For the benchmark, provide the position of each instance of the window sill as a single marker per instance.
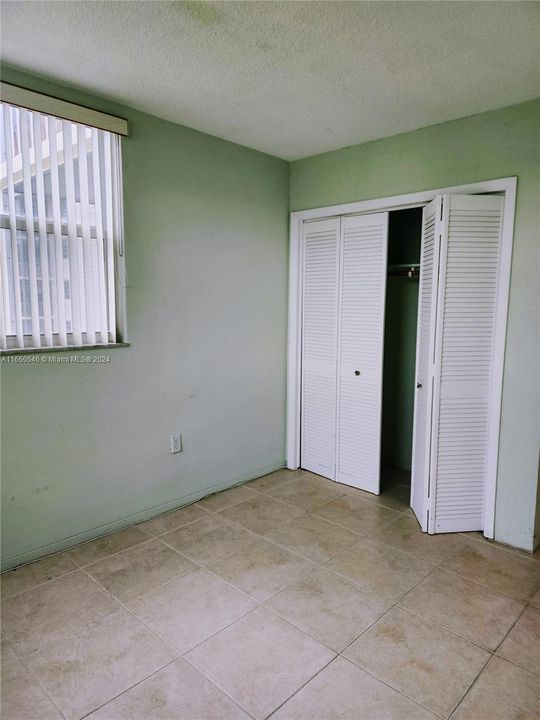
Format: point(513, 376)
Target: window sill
point(68, 348)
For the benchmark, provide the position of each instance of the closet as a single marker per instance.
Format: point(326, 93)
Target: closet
point(449, 251)
point(404, 240)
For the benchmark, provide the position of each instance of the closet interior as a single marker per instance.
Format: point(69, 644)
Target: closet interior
point(399, 358)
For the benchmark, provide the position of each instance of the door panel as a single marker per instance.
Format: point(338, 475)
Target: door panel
point(467, 303)
point(364, 241)
point(425, 347)
point(319, 345)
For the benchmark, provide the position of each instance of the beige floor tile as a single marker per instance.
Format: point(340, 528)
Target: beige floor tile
point(36, 573)
point(7, 653)
point(226, 498)
point(479, 535)
point(421, 660)
point(172, 520)
point(466, 608)
point(328, 607)
point(343, 691)
point(501, 571)
point(209, 539)
point(355, 514)
point(262, 513)
point(177, 692)
point(260, 661)
point(86, 670)
point(22, 698)
point(381, 569)
point(140, 569)
point(58, 608)
point(307, 493)
point(404, 533)
point(396, 497)
point(502, 692)
point(314, 538)
point(187, 611)
point(536, 600)
point(101, 548)
point(273, 480)
point(261, 569)
point(522, 644)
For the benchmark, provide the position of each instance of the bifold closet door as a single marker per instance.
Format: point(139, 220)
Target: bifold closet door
point(425, 349)
point(321, 243)
point(468, 232)
point(362, 294)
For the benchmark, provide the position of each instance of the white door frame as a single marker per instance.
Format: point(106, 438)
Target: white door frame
point(507, 186)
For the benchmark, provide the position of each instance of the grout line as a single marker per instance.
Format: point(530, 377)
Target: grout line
point(495, 545)
point(132, 613)
point(41, 584)
point(396, 690)
point(471, 686)
point(155, 672)
point(178, 653)
point(394, 604)
point(480, 584)
point(118, 552)
point(267, 717)
point(220, 689)
point(37, 681)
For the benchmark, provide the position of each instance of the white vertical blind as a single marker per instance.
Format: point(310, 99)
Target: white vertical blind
point(44, 255)
point(88, 267)
point(108, 155)
point(360, 349)
point(60, 231)
point(57, 231)
point(29, 227)
point(102, 285)
point(11, 279)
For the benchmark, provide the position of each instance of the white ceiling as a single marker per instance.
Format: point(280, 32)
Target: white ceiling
point(289, 78)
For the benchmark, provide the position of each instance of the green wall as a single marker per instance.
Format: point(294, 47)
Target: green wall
point(86, 447)
point(491, 145)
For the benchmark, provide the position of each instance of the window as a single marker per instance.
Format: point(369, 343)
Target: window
point(61, 242)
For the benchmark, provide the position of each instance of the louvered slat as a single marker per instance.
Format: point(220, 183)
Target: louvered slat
point(319, 346)
point(360, 347)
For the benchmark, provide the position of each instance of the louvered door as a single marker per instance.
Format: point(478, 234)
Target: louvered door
point(466, 319)
point(425, 348)
point(321, 240)
point(360, 349)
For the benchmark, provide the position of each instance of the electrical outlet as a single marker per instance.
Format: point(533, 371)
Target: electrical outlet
point(176, 444)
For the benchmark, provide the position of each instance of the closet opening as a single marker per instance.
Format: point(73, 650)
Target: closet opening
point(401, 313)
point(397, 322)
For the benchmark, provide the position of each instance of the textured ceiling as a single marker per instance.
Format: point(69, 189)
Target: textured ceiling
point(289, 78)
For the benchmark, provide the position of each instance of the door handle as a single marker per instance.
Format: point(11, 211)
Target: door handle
point(357, 372)
point(418, 386)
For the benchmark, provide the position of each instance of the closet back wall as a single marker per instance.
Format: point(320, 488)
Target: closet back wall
point(490, 145)
point(85, 448)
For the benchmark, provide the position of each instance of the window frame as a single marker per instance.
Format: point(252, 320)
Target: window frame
point(61, 110)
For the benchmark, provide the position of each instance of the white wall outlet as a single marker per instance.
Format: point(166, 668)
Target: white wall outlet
point(176, 444)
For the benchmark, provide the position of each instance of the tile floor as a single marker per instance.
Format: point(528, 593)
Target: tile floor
point(290, 597)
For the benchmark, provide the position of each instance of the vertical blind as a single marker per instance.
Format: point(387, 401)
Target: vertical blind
point(61, 231)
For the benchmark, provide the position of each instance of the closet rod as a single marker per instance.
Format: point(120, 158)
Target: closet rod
point(411, 270)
